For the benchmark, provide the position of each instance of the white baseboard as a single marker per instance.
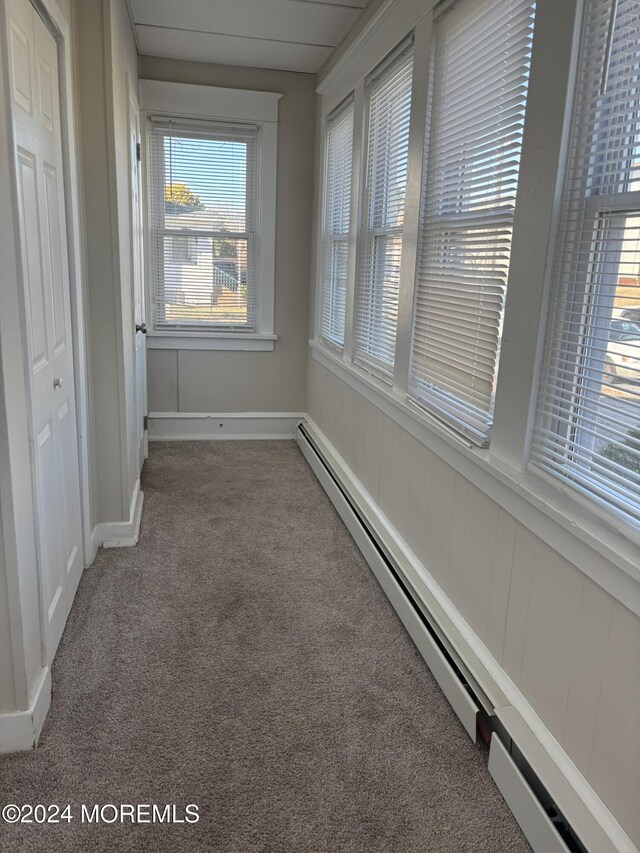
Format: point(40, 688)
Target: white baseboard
point(591, 820)
point(93, 545)
point(121, 534)
point(20, 730)
point(532, 818)
point(207, 426)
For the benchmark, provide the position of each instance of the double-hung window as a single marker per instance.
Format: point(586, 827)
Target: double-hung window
point(587, 432)
point(481, 55)
point(203, 213)
point(337, 211)
point(210, 159)
point(378, 280)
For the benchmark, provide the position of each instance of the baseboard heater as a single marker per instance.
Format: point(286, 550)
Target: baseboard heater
point(542, 823)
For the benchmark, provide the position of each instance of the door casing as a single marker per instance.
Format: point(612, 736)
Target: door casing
point(136, 221)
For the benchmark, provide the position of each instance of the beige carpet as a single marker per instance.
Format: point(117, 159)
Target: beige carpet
point(243, 658)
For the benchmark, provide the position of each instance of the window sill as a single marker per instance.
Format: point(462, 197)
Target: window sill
point(578, 533)
point(212, 341)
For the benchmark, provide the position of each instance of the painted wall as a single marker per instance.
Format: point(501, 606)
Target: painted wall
point(65, 6)
point(105, 52)
point(7, 682)
point(567, 645)
point(123, 62)
point(208, 381)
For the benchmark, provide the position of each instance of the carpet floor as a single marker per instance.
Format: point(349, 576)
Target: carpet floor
point(243, 658)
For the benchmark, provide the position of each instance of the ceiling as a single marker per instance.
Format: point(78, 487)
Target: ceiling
point(292, 35)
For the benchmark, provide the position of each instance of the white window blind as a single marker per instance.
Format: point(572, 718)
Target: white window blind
point(478, 93)
point(202, 223)
point(376, 303)
point(587, 432)
point(338, 173)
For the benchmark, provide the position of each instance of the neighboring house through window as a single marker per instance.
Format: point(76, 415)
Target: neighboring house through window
point(211, 210)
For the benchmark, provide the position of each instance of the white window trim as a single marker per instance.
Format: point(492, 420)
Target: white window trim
point(594, 540)
point(212, 103)
point(322, 271)
point(573, 527)
point(240, 341)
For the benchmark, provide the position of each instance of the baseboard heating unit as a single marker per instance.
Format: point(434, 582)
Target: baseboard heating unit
point(544, 825)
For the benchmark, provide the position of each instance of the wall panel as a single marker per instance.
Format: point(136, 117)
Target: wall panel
point(615, 760)
point(437, 519)
point(473, 592)
point(550, 635)
point(162, 384)
point(591, 647)
point(571, 650)
point(524, 553)
point(500, 581)
point(227, 381)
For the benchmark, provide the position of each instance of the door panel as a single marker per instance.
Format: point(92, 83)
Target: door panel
point(50, 552)
point(31, 260)
point(56, 269)
point(44, 91)
point(20, 46)
point(53, 427)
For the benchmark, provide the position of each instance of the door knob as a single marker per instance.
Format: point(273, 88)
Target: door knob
point(141, 327)
point(57, 382)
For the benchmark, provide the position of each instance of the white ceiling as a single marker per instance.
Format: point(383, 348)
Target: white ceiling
point(292, 35)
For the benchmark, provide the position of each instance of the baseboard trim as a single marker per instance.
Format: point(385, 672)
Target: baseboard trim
point(534, 822)
point(576, 800)
point(20, 730)
point(211, 426)
point(122, 534)
point(93, 546)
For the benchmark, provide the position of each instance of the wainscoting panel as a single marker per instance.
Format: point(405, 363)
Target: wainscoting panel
point(567, 649)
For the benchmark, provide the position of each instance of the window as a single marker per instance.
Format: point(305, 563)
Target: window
point(210, 184)
point(182, 249)
point(587, 432)
point(378, 285)
point(481, 54)
point(203, 213)
point(337, 210)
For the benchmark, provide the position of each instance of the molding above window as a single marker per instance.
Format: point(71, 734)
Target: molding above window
point(186, 99)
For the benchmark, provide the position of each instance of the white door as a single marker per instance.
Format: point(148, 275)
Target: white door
point(53, 432)
point(137, 272)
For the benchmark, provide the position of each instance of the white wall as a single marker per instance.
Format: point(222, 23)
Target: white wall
point(123, 66)
point(106, 51)
point(207, 381)
point(568, 646)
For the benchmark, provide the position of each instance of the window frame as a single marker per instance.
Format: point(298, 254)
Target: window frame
point(438, 402)
point(575, 527)
point(349, 104)
point(368, 238)
point(572, 419)
point(159, 230)
point(211, 105)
